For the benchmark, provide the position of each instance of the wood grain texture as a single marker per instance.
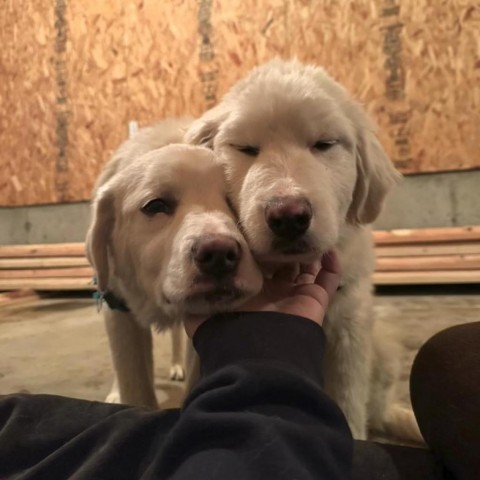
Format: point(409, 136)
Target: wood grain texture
point(73, 74)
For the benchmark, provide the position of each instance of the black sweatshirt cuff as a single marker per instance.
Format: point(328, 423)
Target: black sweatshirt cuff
point(233, 338)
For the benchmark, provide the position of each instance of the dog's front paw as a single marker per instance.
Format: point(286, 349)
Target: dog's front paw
point(177, 373)
point(113, 397)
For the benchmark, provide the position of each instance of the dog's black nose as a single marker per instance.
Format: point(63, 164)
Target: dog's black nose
point(217, 255)
point(288, 217)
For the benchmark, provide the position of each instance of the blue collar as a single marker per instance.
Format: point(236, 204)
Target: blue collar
point(114, 302)
point(110, 299)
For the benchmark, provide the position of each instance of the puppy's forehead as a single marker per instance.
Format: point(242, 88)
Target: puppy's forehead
point(178, 165)
point(292, 103)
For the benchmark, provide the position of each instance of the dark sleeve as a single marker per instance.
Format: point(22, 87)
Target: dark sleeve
point(259, 411)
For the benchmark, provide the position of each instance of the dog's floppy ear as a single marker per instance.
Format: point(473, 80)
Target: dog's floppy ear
point(203, 131)
point(376, 176)
point(99, 235)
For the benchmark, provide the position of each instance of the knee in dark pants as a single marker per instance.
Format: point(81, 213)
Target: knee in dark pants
point(445, 393)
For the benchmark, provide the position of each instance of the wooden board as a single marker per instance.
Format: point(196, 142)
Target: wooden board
point(429, 263)
point(428, 250)
point(18, 297)
point(426, 235)
point(47, 284)
point(48, 262)
point(426, 278)
point(85, 272)
point(28, 123)
point(73, 74)
point(43, 250)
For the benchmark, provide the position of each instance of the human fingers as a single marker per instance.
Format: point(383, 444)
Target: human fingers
point(311, 268)
point(329, 276)
point(326, 282)
point(308, 272)
point(313, 292)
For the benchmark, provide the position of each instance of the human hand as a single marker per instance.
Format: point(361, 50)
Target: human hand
point(308, 296)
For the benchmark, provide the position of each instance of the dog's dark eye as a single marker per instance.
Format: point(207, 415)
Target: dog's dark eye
point(247, 150)
point(324, 145)
point(159, 205)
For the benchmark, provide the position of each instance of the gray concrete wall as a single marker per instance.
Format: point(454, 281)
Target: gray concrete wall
point(433, 200)
point(44, 224)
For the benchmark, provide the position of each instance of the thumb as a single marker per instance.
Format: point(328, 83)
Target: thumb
point(329, 276)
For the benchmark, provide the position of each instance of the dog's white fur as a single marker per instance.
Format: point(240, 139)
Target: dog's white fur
point(283, 108)
point(146, 260)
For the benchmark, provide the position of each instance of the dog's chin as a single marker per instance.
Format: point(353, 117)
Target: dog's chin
point(207, 297)
point(289, 251)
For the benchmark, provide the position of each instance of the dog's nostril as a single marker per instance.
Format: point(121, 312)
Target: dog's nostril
point(303, 220)
point(276, 223)
point(231, 256)
point(288, 217)
point(205, 256)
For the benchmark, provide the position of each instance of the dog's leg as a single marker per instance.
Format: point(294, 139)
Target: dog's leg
point(147, 349)
point(348, 356)
point(385, 415)
point(176, 370)
point(131, 349)
point(385, 373)
point(114, 395)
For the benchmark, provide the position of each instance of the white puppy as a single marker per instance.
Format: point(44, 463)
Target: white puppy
point(164, 243)
point(306, 174)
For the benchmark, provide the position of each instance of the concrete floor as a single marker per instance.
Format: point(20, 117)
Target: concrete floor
point(59, 346)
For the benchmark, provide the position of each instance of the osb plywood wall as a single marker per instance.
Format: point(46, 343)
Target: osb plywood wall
point(73, 73)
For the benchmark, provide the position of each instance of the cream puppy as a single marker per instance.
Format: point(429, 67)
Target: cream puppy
point(306, 174)
point(164, 243)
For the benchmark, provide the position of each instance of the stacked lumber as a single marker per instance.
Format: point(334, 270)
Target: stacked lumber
point(62, 266)
point(404, 257)
point(18, 297)
point(428, 256)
